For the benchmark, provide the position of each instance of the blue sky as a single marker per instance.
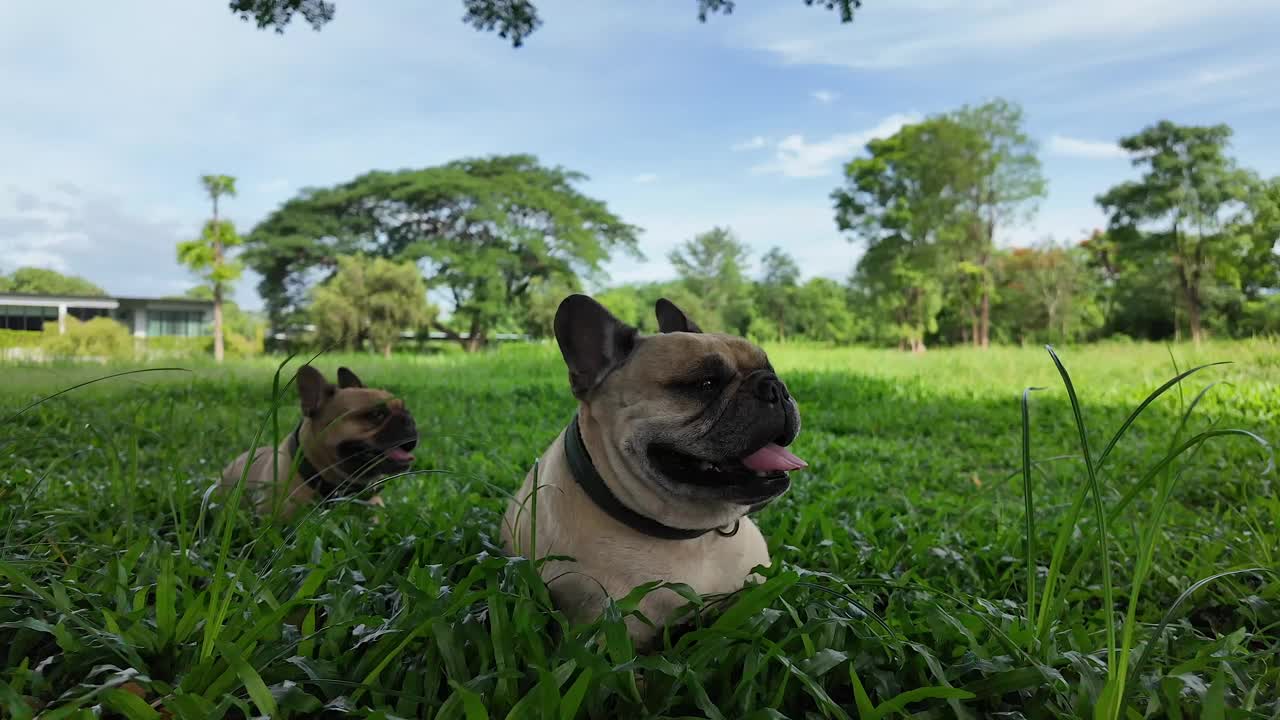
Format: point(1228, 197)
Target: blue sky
point(113, 110)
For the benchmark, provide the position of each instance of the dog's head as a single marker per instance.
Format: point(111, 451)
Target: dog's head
point(362, 433)
point(694, 426)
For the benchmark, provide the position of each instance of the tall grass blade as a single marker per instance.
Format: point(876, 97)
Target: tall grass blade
point(1028, 497)
point(1108, 594)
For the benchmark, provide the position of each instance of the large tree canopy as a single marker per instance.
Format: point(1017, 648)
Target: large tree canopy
point(39, 281)
point(904, 202)
point(927, 201)
point(1189, 207)
point(483, 230)
point(513, 20)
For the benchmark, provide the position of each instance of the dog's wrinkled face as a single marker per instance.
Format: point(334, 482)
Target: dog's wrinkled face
point(702, 417)
point(363, 432)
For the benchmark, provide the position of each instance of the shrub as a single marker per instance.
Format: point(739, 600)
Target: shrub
point(100, 338)
point(19, 339)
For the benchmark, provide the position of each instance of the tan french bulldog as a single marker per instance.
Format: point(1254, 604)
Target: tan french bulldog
point(678, 436)
point(350, 437)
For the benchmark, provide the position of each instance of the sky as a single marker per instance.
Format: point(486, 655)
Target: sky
point(113, 110)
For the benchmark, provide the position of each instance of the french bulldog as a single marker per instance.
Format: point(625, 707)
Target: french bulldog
point(678, 436)
point(350, 437)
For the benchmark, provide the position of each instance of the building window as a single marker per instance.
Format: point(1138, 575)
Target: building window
point(26, 317)
point(175, 323)
point(84, 314)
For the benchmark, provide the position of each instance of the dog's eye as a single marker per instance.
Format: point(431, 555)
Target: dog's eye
point(706, 384)
point(377, 415)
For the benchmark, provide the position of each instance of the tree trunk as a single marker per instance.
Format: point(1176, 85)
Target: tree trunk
point(1193, 319)
point(217, 286)
point(475, 337)
point(984, 323)
point(973, 333)
point(217, 318)
point(386, 350)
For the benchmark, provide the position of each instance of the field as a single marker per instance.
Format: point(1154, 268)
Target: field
point(903, 579)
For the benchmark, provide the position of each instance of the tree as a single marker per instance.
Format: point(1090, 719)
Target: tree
point(512, 19)
point(1048, 293)
point(821, 312)
point(1000, 182)
point(713, 265)
point(39, 281)
point(1185, 208)
point(484, 229)
point(902, 202)
point(1259, 226)
point(895, 287)
point(370, 299)
point(776, 290)
point(538, 314)
point(206, 255)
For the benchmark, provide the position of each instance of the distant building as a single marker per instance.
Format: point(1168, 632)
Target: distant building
point(144, 317)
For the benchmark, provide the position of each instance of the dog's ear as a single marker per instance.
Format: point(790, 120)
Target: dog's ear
point(348, 379)
point(313, 390)
point(592, 341)
point(673, 319)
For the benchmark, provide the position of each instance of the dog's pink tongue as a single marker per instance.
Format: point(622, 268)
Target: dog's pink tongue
point(771, 458)
point(399, 455)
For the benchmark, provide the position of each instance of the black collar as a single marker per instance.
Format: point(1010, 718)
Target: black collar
point(310, 475)
point(588, 478)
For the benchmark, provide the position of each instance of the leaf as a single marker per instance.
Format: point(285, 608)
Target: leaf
point(13, 704)
point(700, 697)
point(900, 702)
point(166, 603)
point(572, 699)
point(823, 661)
point(1215, 701)
point(754, 600)
point(253, 683)
point(129, 705)
point(866, 709)
point(472, 704)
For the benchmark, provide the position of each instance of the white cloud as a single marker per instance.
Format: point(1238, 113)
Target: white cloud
point(754, 143)
point(796, 157)
point(909, 33)
point(645, 178)
point(1092, 149)
point(94, 235)
point(826, 97)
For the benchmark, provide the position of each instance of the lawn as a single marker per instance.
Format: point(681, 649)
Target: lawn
point(901, 580)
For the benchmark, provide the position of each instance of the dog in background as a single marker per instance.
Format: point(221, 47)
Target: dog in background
point(350, 437)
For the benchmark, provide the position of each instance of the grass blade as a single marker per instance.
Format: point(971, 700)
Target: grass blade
point(1028, 495)
point(1108, 594)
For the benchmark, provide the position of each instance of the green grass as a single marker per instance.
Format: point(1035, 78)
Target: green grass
point(903, 579)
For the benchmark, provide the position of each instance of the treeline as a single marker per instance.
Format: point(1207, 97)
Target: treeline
point(1189, 246)
point(1189, 249)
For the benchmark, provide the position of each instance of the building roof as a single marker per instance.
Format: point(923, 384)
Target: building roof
point(105, 298)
